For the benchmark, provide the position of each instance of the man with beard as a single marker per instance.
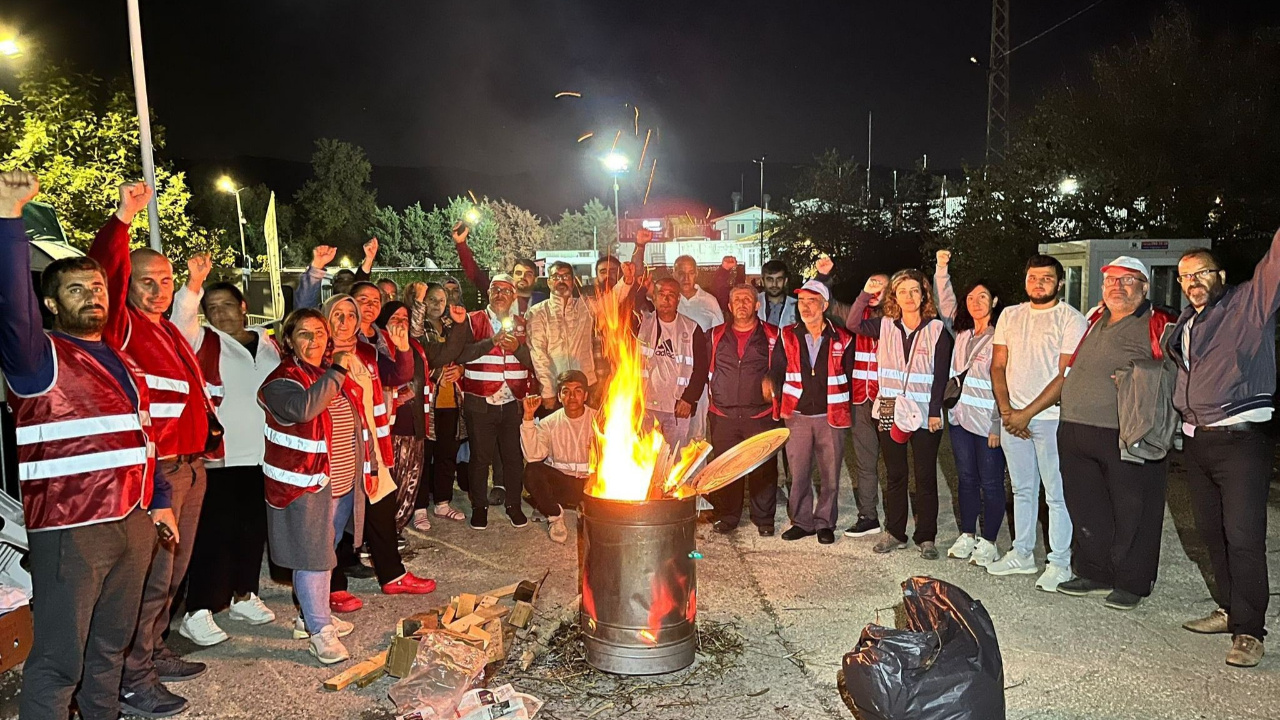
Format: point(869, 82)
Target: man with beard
point(1033, 343)
point(561, 332)
point(740, 407)
point(141, 288)
point(236, 359)
point(88, 476)
point(1223, 346)
point(524, 272)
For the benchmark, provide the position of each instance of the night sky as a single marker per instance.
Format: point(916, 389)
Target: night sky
point(467, 88)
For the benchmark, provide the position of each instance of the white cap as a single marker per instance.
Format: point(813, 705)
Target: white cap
point(1125, 262)
point(817, 288)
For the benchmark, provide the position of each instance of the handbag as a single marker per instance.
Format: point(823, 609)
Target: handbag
point(955, 386)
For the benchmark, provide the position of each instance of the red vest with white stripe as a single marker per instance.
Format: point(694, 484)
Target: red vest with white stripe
point(864, 377)
point(485, 375)
point(297, 455)
point(839, 411)
point(84, 456)
point(209, 355)
point(179, 409)
point(381, 411)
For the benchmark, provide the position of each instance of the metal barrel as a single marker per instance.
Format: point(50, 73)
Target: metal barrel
point(638, 584)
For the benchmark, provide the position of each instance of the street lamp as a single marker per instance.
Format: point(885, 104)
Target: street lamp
point(617, 164)
point(1069, 186)
point(227, 185)
point(10, 48)
point(760, 162)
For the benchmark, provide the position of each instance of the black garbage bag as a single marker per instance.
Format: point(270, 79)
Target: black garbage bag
point(944, 666)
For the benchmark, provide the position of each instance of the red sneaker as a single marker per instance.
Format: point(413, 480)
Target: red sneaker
point(344, 602)
point(409, 584)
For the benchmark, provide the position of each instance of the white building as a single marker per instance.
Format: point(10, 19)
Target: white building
point(1083, 261)
point(743, 223)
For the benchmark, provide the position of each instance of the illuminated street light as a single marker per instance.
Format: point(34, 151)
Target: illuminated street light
point(616, 163)
point(1069, 186)
point(227, 185)
point(10, 48)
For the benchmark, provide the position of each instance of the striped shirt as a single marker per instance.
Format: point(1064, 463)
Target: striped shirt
point(342, 447)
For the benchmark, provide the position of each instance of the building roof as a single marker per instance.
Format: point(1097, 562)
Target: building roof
point(751, 212)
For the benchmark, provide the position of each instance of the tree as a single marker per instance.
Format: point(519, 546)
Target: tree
point(82, 140)
point(337, 205)
point(217, 209)
point(592, 227)
point(517, 232)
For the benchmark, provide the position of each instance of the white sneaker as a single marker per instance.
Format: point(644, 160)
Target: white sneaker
point(962, 547)
point(327, 648)
point(1052, 576)
point(1013, 564)
point(343, 627)
point(199, 628)
point(252, 611)
point(985, 552)
point(555, 526)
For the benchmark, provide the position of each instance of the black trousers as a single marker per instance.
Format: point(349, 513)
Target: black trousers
point(1116, 508)
point(380, 536)
point(761, 484)
point(440, 461)
point(494, 433)
point(1229, 474)
point(227, 557)
point(897, 491)
point(550, 490)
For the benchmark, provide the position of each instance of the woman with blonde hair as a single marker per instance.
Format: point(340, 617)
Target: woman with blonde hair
point(914, 362)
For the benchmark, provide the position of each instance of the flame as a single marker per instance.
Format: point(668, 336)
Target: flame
point(627, 450)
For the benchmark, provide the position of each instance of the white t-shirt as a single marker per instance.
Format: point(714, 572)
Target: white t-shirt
point(1036, 339)
point(703, 309)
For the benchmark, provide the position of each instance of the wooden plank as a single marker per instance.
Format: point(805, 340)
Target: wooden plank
point(493, 611)
point(486, 601)
point(521, 615)
point(449, 614)
point(497, 647)
point(476, 631)
point(503, 591)
point(461, 625)
point(356, 672)
point(466, 604)
point(401, 656)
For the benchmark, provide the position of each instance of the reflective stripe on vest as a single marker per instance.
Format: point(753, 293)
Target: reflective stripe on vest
point(83, 427)
point(911, 378)
point(839, 412)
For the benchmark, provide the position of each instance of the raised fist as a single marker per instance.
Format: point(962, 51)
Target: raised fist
point(824, 265)
point(399, 336)
point(371, 249)
point(874, 285)
point(531, 405)
point(460, 232)
point(729, 263)
point(133, 198)
point(17, 187)
point(643, 237)
point(944, 257)
point(199, 265)
point(322, 255)
point(457, 313)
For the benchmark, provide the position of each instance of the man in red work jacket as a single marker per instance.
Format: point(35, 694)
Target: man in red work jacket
point(140, 290)
point(87, 470)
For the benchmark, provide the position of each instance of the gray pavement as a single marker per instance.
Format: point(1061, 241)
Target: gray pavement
point(799, 607)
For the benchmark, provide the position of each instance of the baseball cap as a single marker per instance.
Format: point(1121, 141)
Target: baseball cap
point(503, 278)
point(817, 288)
point(906, 420)
point(1128, 263)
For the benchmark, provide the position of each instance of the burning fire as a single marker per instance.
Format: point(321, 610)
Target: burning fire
point(630, 459)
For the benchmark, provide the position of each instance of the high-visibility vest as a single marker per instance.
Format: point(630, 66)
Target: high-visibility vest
point(839, 409)
point(381, 410)
point(717, 334)
point(84, 453)
point(908, 379)
point(864, 379)
point(210, 355)
point(297, 454)
point(179, 407)
point(975, 410)
point(682, 357)
point(485, 375)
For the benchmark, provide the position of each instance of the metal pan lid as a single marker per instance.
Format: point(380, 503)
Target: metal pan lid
point(739, 460)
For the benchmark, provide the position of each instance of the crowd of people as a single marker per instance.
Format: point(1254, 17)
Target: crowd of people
point(162, 437)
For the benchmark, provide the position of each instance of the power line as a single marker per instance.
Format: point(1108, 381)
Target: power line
point(1021, 45)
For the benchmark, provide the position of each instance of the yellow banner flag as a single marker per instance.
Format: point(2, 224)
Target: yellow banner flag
point(273, 259)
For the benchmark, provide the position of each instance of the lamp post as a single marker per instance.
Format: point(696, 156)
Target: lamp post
point(617, 164)
point(226, 185)
point(760, 162)
point(10, 48)
point(144, 121)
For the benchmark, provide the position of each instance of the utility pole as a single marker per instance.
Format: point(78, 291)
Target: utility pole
point(761, 163)
point(144, 121)
point(868, 158)
point(998, 84)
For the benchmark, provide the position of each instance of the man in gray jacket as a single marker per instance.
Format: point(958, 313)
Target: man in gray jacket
point(1224, 346)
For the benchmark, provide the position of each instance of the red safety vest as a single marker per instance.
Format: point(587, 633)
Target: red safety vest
point(865, 377)
point(297, 455)
point(209, 355)
point(381, 412)
point(179, 408)
point(84, 455)
point(487, 374)
point(839, 411)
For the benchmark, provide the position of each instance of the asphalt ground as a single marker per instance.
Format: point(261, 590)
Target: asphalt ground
point(798, 607)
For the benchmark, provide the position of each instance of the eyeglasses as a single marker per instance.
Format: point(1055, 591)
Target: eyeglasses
point(1204, 274)
point(1125, 280)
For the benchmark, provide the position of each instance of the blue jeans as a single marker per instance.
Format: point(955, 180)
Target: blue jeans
point(980, 471)
point(1032, 463)
point(312, 586)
